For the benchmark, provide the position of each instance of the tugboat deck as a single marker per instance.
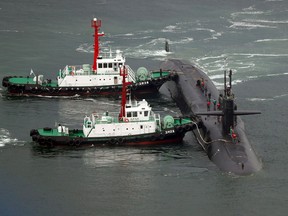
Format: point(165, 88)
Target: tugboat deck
point(53, 83)
point(29, 80)
point(79, 133)
point(55, 132)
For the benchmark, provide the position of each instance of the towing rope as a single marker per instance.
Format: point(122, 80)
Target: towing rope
point(221, 140)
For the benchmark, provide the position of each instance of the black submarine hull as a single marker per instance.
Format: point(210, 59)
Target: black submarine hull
point(238, 158)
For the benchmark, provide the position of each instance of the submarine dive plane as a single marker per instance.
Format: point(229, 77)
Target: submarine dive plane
point(222, 133)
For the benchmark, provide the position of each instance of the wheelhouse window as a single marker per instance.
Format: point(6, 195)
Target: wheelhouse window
point(134, 114)
point(129, 114)
point(100, 65)
point(146, 113)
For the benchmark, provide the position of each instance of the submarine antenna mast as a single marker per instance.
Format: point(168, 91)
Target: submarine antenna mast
point(96, 24)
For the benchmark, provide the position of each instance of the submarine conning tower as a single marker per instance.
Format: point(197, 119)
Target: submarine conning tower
point(227, 108)
point(228, 105)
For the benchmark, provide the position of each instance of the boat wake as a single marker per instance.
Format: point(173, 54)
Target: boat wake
point(5, 138)
point(57, 97)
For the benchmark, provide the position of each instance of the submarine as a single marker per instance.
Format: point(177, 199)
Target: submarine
point(220, 131)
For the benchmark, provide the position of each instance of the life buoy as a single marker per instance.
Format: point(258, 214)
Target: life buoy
point(126, 120)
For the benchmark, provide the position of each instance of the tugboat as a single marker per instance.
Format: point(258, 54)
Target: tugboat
point(136, 124)
point(222, 135)
point(102, 78)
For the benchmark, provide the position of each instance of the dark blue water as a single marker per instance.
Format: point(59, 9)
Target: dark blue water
point(250, 37)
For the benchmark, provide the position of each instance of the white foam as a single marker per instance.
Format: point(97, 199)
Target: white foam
point(280, 96)
point(247, 12)
point(8, 30)
point(124, 35)
point(219, 76)
point(223, 56)
point(182, 41)
point(156, 41)
point(86, 48)
point(267, 75)
point(145, 53)
point(250, 55)
point(267, 99)
point(205, 29)
point(5, 138)
point(129, 34)
point(266, 21)
point(69, 33)
point(271, 40)
point(170, 28)
point(247, 25)
point(259, 99)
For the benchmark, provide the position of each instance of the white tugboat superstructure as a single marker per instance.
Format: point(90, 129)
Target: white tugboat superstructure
point(107, 74)
point(102, 77)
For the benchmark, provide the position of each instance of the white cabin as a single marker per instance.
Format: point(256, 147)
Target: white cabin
point(107, 74)
point(139, 119)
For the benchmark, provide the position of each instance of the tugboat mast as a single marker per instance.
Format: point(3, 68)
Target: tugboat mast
point(96, 24)
point(124, 74)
